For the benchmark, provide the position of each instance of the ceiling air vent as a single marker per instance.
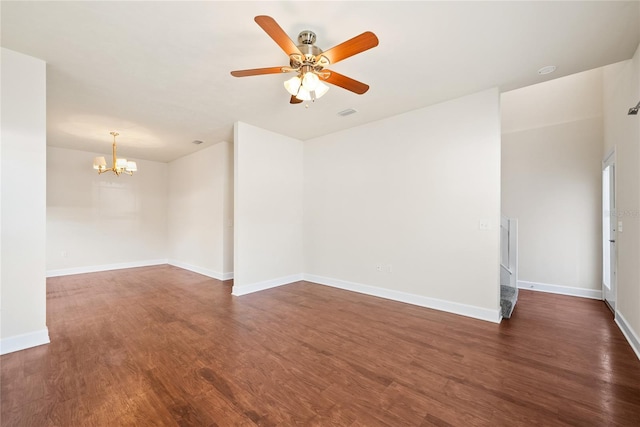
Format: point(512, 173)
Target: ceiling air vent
point(347, 112)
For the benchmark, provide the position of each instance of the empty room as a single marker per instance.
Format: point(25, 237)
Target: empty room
point(354, 213)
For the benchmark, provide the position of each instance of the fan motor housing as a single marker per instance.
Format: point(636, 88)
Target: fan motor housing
point(306, 40)
point(306, 37)
point(311, 52)
point(309, 49)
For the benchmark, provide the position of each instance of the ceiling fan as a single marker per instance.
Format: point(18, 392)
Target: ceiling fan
point(309, 62)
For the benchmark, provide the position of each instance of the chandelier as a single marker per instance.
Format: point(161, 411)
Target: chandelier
point(119, 165)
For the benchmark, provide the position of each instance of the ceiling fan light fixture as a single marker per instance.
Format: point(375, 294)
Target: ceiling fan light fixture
point(321, 89)
point(293, 85)
point(310, 81)
point(311, 95)
point(309, 62)
point(303, 95)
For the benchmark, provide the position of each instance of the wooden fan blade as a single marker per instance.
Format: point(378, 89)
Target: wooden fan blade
point(346, 82)
point(295, 100)
point(259, 71)
point(271, 27)
point(364, 41)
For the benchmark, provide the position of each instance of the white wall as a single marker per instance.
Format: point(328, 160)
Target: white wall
point(23, 210)
point(97, 222)
point(201, 213)
point(621, 92)
point(406, 195)
point(552, 141)
point(268, 186)
point(565, 100)
point(228, 201)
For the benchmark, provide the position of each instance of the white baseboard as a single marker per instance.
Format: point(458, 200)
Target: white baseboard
point(104, 267)
point(628, 333)
point(422, 301)
point(24, 341)
point(562, 290)
point(201, 270)
point(267, 284)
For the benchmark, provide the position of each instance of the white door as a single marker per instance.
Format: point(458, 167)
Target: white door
point(609, 225)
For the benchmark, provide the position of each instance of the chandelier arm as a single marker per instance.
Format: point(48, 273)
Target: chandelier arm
point(114, 153)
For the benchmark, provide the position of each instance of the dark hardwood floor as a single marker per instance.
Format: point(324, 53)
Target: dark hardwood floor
point(161, 346)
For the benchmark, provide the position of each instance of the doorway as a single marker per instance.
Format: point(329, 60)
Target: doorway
point(609, 225)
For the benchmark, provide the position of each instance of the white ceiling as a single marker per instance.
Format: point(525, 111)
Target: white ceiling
point(158, 72)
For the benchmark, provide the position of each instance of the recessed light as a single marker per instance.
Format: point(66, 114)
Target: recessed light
point(547, 70)
point(347, 112)
point(197, 142)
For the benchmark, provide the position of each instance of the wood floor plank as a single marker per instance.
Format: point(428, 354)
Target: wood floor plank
point(163, 346)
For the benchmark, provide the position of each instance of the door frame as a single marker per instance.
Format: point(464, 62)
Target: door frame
point(609, 237)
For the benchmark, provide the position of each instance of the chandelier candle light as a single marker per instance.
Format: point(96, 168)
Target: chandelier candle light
point(119, 165)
